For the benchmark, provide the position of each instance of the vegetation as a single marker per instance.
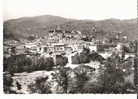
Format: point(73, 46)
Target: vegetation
point(85, 57)
point(31, 38)
point(22, 63)
point(24, 27)
point(82, 79)
point(7, 83)
point(61, 77)
point(113, 79)
point(94, 56)
point(61, 60)
point(109, 78)
point(40, 86)
point(75, 59)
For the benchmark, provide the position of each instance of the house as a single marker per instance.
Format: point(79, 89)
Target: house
point(59, 47)
point(31, 47)
point(41, 49)
point(45, 49)
point(93, 48)
point(50, 49)
point(76, 34)
point(20, 49)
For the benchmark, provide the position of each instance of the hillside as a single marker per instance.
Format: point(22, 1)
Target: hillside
point(24, 27)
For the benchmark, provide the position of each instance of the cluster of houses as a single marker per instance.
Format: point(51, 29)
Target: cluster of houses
point(63, 46)
point(57, 41)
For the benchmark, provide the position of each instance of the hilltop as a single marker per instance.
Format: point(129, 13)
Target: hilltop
point(40, 25)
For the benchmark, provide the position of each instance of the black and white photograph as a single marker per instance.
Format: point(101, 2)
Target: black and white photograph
point(70, 47)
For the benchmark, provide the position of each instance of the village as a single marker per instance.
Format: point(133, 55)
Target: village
point(61, 41)
point(68, 49)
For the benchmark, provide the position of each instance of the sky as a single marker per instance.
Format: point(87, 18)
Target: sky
point(76, 9)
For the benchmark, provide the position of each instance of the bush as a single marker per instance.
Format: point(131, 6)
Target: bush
point(92, 88)
point(40, 86)
point(112, 79)
point(62, 79)
point(78, 59)
point(7, 83)
point(61, 60)
point(96, 57)
point(45, 64)
point(5, 64)
point(83, 74)
point(84, 58)
point(75, 59)
point(84, 55)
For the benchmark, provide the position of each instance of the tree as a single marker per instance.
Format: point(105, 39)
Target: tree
point(112, 79)
point(61, 60)
point(22, 63)
point(85, 51)
point(7, 82)
point(75, 59)
point(84, 55)
point(41, 86)
point(31, 37)
point(13, 51)
point(94, 56)
point(84, 58)
point(83, 74)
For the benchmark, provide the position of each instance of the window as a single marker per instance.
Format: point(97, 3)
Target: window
point(40, 48)
point(45, 49)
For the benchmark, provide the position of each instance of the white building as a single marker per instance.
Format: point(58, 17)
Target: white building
point(93, 48)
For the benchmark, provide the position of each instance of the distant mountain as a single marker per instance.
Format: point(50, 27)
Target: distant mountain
point(23, 27)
